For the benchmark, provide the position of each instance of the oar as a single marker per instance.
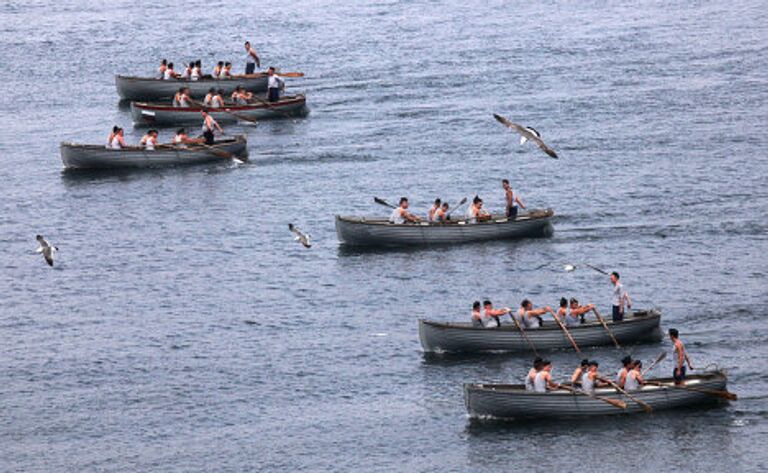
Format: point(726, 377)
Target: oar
point(722, 394)
point(383, 202)
point(658, 360)
point(281, 74)
point(463, 201)
point(272, 106)
point(605, 326)
point(614, 402)
point(567, 333)
point(618, 388)
point(210, 109)
point(601, 271)
point(525, 336)
point(218, 152)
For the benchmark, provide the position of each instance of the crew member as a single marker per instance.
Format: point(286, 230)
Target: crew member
point(530, 317)
point(433, 209)
point(620, 296)
point(543, 380)
point(681, 357)
point(512, 199)
point(579, 372)
point(401, 214)
point(169, 73)
point(475, 212)
point(621, 376)
point(492, 315)
point(149, 141)
point(209, 128)
point(635, 377)
point(116, 140)
point(252, 60)
point(531, 376)
point(576, 313)
point(275, 84)
point(441, 214)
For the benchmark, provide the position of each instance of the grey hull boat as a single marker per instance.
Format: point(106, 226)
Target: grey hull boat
point(512, 401)
point(463, 337)
point(77, 156)
point(362, 231)
point(150, 88)
point(158, 114)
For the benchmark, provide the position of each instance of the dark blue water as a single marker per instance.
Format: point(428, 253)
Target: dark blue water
point(184, 330)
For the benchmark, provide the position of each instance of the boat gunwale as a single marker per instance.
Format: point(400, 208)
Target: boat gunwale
point(162, 146)
point(498, 219)
point(635, 319)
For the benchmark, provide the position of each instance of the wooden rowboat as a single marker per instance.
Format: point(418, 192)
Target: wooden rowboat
point(362, 231)
point(157, 114)
point(638, 326)
point(512, 401)
point(77, 156)
point(152, 88)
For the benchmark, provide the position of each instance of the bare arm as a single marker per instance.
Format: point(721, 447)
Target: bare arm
point(519, 202)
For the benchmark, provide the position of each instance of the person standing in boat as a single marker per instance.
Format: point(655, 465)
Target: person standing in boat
point(576, 313)
point(620, 296)
point(169, 73)
point(579, 372)
point(432, 210)
point(530, 317)
point(209, 128)
point(441, 214)
point(626, 365)
point(401, 215)
point(149, 141)
point(543, 380)
point(475, 212)
point(512, 200)
point(681, 357)
point(492, 315)
point(634, 377)
point(116, 139)
point(163, 67)
point(252, 60)
point(275, 84)
point(531, 376)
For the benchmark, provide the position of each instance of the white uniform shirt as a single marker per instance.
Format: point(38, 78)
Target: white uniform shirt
point(397, 216)
point(167, 75)
point(529, 379)
point(631, 384)
point(115, 143)
point(195, 74)
point(618, 294)
point(587, 385)
point(274, 81)
point(539, 383)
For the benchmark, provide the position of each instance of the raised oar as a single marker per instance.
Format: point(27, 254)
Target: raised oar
point(618, 388)
point(210, 109)
point(722, 394)
point(614, 402)
point(605, 326)
point(460, 204)
point(658, 360)
point(383, 202)
point(525, 336)
point(601, 271)
point(567, 333)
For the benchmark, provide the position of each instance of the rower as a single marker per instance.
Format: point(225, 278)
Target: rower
point(163, 67)
point(562, 311)
point(209, 127)
point(635, 377)
point(241, 96)
point(543, 380)
point(181, 98)
point(169, 73)
point(531, 317)
point(619, 297)
point(226, 72)
point(149, 141)
point(576, 313)
point(492, 315)
point(433, 209)
point(209, 97)
point(589, 380)
point(681, 357)
point(275, 84)
point(475, 212)
point(217, 69)
point(197, 70)
point(441, 214)
point(513, 200)
point(477, 316)
point(218, 100)
point(401, 215)
point(252, 60)
point(116, 140)
point(531, 376)
point(187, 74)
point(621, 376)
point(181, 140)
point(579, 372)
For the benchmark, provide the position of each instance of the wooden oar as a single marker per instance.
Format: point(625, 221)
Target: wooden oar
point(383, 202)
point(263, 74)
point(618, 388)
point(271, 106)
point(605, 326)
point(722, 394)
point(658, 360)
point(212, 109)
point(525, 336)
point(614, 402)
point(601, 271)
point(218, 152)
point(567, 333)
point(463, 201)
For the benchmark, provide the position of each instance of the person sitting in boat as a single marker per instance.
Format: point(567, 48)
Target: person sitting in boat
point(181, 140)
point(576, 313)
point(579, 372)
point(543, 380)
point(530, 317)
point(512, 199)
point(241, 96)
point(226, 71)
point(197, 70)
point(477, 316)
point(531, 376)
point(187, 72)
point(252, 60)
point(275, 84)
point(401, 215)
point(492, 315)
point(181, 98)
point(216, 72)
point(163, 67)
point(635, 377)
point(626, 365)
point(149, 141)
point(591, 379)
point(209, 97)
point(681, 357)
point(475, 212)
point(562, 311)
point(434, 208)
point(209, 127)
point(218, 99)
point(116, 139)
point(170, 73)
point(441, 214)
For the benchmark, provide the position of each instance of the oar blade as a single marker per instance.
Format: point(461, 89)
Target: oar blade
point(615, 402)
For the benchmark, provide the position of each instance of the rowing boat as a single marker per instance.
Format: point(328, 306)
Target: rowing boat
point(78, 156)
point(152, 88)
point(512, 401)
point(156, 114)
point(638, 326)
point(362, 231)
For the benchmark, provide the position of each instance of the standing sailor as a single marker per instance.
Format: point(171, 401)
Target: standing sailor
point(681, 357)
point(275, 84)
point(620, 295)
point(209, 127)
point(401, 215)
point(512, 200)
point(252, 60)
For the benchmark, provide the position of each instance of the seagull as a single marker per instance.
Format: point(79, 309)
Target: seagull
point(301, 237)
point(46, 249)
point(526, 134)
point(569, 267)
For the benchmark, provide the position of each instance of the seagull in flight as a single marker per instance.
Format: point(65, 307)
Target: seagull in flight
point(46, 249)
point(527, 134)
point(301, 237)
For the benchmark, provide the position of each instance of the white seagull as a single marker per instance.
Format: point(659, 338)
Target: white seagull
point(569, 267)
point(46, 249)
point(301, 237)
point(526, 134)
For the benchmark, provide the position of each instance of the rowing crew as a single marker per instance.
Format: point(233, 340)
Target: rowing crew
point(193, 71)
point(148, 142)
point(213, 99)
point(528, 317)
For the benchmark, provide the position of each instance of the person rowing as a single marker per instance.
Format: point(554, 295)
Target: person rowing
point(252, 60)
point(163, 67)
point(441, 214)
point(197, 70)
point(275, 84)
point(149, 141)
point(181, 140)
point(209, 127)
point(512, 200)
point(590, 379)
point(116, 139)
point(169, 73)
point(576, 313)
point(477, 316)
point(492, 315)
point(181, 98)
point(218, 99)
point(216, 72)
point(543, 380)
point(634, 379)
point(620, 296)
point(401, 215)
point(209, 97)
point(187, 73)
point(241, 96)
point(226, 71)
point(432, 210)
point(579, 372)
point(562, 311)
point(621, 376)
point(531, 375)
point(681, 357)
point(475, 212)
point(530, 317)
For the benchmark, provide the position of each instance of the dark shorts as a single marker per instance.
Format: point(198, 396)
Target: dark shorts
point(618, 315)
point(274, 95)
point(250, 67)
point(512, 212)
point(208, 135)
point(682, 374)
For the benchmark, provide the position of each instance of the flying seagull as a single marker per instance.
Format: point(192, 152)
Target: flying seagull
point(526, 134)
point(301, 237)
point(46, 249)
